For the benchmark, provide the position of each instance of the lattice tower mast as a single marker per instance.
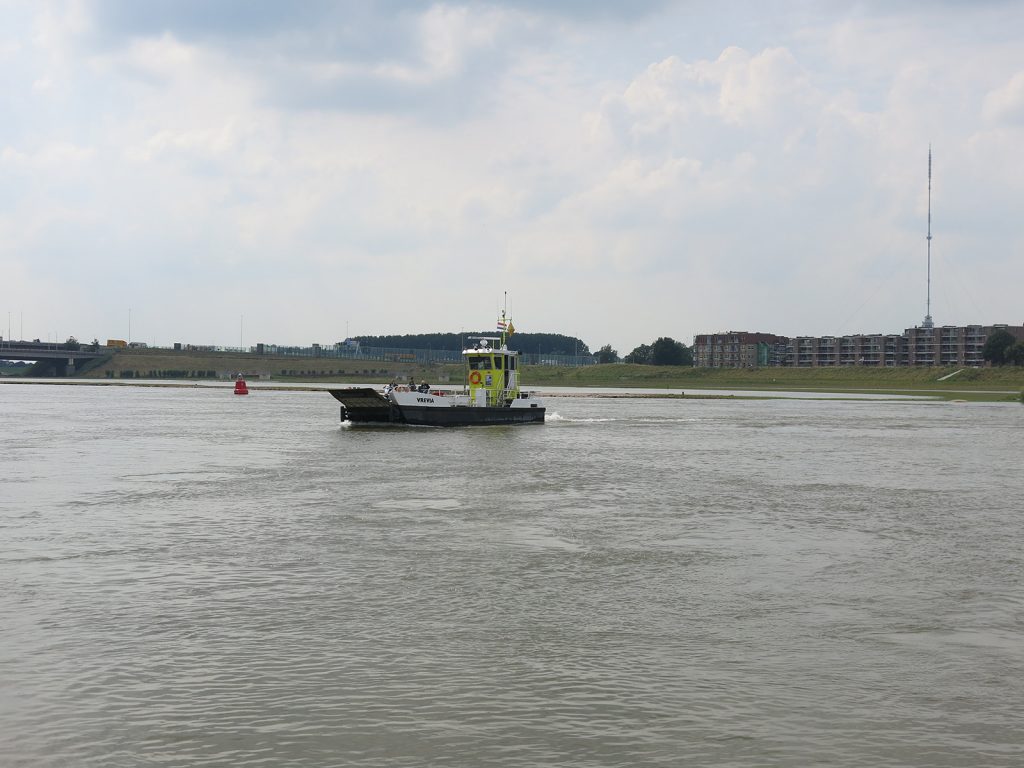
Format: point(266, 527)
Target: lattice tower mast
point(928, 323)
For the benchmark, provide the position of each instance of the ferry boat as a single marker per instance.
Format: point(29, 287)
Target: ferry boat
point(491, 396)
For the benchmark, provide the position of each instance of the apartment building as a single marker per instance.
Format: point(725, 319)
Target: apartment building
point(946, 345)
point(738, 349)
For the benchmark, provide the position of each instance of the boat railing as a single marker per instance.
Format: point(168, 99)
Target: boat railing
point(512, 393)
point(493, 398)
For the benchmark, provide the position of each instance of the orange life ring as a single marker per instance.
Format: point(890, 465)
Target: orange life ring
point(474, 377)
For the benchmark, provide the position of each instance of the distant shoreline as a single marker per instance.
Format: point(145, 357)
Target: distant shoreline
point(149, 367)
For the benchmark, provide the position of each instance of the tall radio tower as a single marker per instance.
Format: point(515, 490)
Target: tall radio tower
point(928, 323)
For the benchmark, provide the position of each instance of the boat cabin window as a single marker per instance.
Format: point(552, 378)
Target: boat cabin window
point(511, 363)
point(480, 363)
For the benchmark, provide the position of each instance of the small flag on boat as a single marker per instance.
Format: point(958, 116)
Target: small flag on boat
point(511, 328)
point(501, 325)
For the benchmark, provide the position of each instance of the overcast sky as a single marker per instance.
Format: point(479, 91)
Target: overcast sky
point(623, 170)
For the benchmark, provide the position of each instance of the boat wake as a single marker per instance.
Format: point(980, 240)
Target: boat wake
point(558, 417)
point(555, 417)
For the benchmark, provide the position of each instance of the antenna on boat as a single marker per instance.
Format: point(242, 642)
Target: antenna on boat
point(928, 323)
point(503, 323)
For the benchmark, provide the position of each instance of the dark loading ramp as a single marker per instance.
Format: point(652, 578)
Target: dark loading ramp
point(365, 404)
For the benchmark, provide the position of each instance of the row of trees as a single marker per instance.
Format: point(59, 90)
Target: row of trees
point(527, 343)
point(73, 344)
point(664, 351)
point(1003, 348)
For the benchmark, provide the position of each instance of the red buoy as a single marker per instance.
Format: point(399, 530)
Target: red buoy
point(240, 388)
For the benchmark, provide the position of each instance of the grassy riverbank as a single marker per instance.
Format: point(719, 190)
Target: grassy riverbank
point(994, 384)
point(845, 378)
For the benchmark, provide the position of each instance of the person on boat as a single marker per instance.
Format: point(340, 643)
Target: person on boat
point(424, 387)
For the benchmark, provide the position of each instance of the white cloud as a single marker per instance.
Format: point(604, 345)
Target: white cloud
point(51, 157)
point(1006, 103)
point(447, 35)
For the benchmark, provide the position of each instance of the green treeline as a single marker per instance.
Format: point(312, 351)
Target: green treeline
point(527, 343)
point(1003, 348)
point(162, 374)
point(664, 351)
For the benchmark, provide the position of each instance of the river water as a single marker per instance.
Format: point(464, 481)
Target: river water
point(189, 578)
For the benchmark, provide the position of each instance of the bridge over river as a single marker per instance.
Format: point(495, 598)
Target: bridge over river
point(64, 360)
